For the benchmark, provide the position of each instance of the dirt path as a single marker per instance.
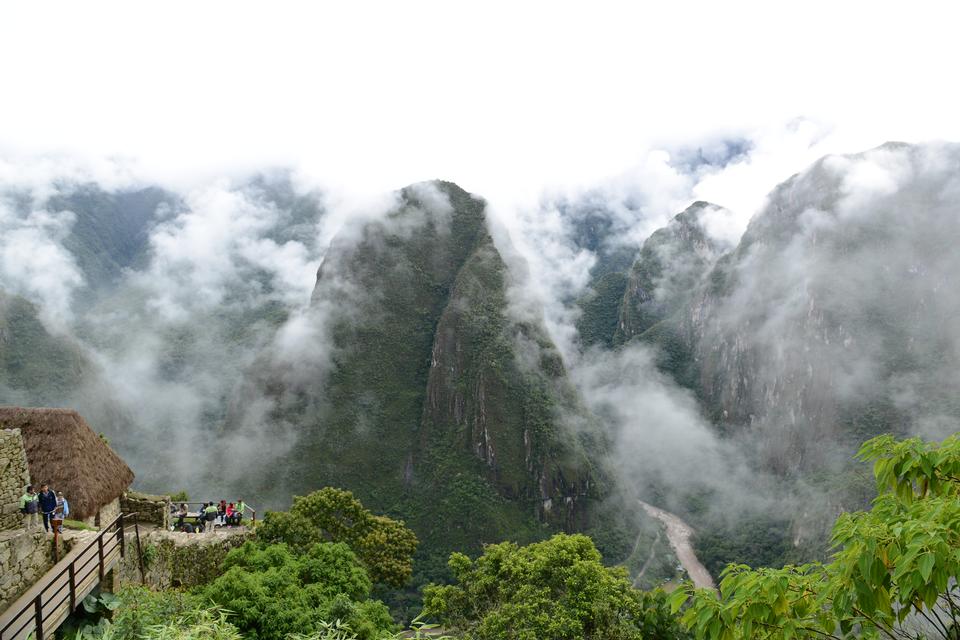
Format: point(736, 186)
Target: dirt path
point(678, 533)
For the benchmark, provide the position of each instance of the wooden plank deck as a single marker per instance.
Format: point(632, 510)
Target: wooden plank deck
point(53, 591)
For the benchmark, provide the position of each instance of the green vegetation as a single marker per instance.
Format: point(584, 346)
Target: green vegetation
point(139, 613)
point(893, 572)
point(274, 592)
point(384, 546)
point(600, 310)
point(308, 576)
point(555, 589)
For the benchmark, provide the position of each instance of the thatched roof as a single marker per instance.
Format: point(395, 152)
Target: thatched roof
point(64, 451)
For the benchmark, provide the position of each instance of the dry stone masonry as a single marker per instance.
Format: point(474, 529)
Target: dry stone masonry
point(150, 509)
point(13, 478)
point(24, 557)
point(175, 560)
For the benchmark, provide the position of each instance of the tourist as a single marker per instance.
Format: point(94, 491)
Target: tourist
point(231, 514)
point(222, 512)
point(30, 508)
point(241, 507)
point(63, 510)
point(210, 515)
point(182, 514)
point(48, 505)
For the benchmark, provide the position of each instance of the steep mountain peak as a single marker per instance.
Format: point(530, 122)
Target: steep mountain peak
point(672, 262)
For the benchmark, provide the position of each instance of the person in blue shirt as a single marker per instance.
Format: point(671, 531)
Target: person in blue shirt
point(48, 505)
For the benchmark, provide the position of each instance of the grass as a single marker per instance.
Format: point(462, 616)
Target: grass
point(77, 525)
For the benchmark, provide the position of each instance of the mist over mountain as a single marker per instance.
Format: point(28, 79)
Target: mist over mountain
point(488, 376)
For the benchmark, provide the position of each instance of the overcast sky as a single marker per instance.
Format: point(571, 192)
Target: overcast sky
point(507, 99)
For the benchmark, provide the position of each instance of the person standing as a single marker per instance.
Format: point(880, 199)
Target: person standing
point(48, 505)
point(210, 515)
point(63, 510)
point(30, 508)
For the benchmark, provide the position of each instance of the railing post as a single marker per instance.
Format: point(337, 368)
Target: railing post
point(143, 572)
point(73, 587)
point(122, 541)
point(100, 555)
point(38, 608)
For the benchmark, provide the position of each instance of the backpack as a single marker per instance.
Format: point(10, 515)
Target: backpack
point(32, 507)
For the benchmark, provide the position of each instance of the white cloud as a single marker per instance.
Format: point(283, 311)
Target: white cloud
point(34, 263)
point(505, 99)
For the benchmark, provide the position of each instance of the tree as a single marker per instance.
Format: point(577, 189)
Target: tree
point(274, 592)
point(548, 590)
point(385, 546)
point(893, 573)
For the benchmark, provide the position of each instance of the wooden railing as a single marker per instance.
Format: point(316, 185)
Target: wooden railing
point(45, 606)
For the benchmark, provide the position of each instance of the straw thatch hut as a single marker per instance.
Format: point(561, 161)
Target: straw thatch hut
point(64, 451)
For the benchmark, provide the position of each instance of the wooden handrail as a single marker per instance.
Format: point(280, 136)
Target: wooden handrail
point(49, 598)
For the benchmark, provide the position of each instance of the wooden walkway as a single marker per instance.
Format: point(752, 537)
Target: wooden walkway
point(47, 604)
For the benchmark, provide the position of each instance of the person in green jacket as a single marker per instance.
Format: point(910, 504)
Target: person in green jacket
point(238, 511)
point(209, 516)
point(30, 508)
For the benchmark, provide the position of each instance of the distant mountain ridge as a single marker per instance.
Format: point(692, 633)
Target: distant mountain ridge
point(829, 322)
point(411, 380)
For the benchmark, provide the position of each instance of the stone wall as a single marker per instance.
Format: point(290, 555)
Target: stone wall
point(153, 510)
point(174, 559)
point(24, 557)
point(107, 514)
point(13, 478)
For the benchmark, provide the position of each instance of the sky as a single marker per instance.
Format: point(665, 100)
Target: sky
point(510, 100)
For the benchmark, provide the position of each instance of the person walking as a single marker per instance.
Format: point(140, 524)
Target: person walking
point(48, 505)
point(210, 515)
point(30, 508)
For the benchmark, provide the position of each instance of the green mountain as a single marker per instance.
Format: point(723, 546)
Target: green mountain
point(112, 228)
point(826, 324)
point(36, 366)
point(829, 323)
point(437, 404)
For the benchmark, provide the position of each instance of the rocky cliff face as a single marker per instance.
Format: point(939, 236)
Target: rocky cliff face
point(833, 319)
point(433, 402)
point(671, 266)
